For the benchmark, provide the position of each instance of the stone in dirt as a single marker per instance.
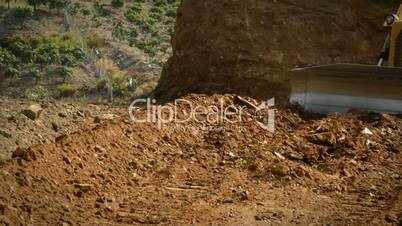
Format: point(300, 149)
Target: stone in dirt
point(326, 139)
point(104, 117)
point(32, 112)
point(27, 155)
point(5, 133)
point(84, 187)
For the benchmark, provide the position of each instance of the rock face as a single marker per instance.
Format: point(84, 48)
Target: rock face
point(241, 46)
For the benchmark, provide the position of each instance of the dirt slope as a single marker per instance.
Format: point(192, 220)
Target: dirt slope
point(328, 171)
point(236, 46)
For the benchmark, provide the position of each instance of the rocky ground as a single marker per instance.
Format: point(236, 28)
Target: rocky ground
point(22, 127)
point(336, 170)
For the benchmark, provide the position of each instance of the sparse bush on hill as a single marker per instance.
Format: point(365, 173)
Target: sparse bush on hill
point(23, 12)
point(96, 41)
point(35, 73)
point(66, 90)
point(38, 52)
point(118, 31)
point(64, 72)
point(7, 58)
point(59, 4)
point(160, 19)
point(36, 3)
point(118, 3)
point(38, 93)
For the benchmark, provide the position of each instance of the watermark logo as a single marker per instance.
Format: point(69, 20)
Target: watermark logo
point(182, 111)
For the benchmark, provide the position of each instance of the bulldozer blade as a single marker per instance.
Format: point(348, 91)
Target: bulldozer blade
point(345, 87)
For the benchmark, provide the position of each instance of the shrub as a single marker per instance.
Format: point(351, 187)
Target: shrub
point(12, 73)
point(64, 72)
point(99, 9)
point(22, 50)
point(96, 41)
point(60, 4)
point(118, 31)
point(66, 90)
point(23, 12)
point(7, 58)
point(73, 9)
point(101, 84)
point(171, 12)
point(38, 93)
point(35, 73)
point(118, 3)
point(119, 83)
point(160, 2)
point(145, 89)
point(85, 11)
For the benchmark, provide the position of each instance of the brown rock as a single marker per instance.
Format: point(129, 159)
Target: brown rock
point(325, 139)
point(27, 155)
point(84, 187)
point(32, 112)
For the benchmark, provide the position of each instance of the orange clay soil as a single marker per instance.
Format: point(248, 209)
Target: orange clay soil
point(337, 170)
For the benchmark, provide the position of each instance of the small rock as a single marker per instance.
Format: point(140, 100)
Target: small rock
point(279, 155)
point(104, 117)
point(97, 119)
point(55, 127)
point(80, 114)
point(297, 157)
point(62, 115)
point(84, 187)
point(227, 200)
point(32, 112)
point(5, 133)
point(325, 138)
point(27, 155)
point(367, 131)
point(67, 160)
point(99, 148)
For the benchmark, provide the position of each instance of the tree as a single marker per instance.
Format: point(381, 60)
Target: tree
point(65, 72)
point(35, 73)
point(8, 4)
point(7, 58)
point(59, 4)
point(118, 3)
point(108, 69)
point(12, 73)
point(36, 3)
point(118, 31)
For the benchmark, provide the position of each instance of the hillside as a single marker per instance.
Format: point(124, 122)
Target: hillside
point(134, 37)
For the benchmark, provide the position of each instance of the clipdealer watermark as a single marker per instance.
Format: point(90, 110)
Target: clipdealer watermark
point(212, 114)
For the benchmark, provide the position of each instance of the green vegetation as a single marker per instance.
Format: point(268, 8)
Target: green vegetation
point(32, 56)
point(95, 41)
point(159, 19)
point(64, 72)
point(38, 93)
point(118, 3)
point(23, 12)
point(146, 25)
point(66, 90)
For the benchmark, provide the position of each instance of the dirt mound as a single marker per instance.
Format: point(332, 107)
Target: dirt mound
point(242, 46)
point(56, 119)
point(338, 170)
